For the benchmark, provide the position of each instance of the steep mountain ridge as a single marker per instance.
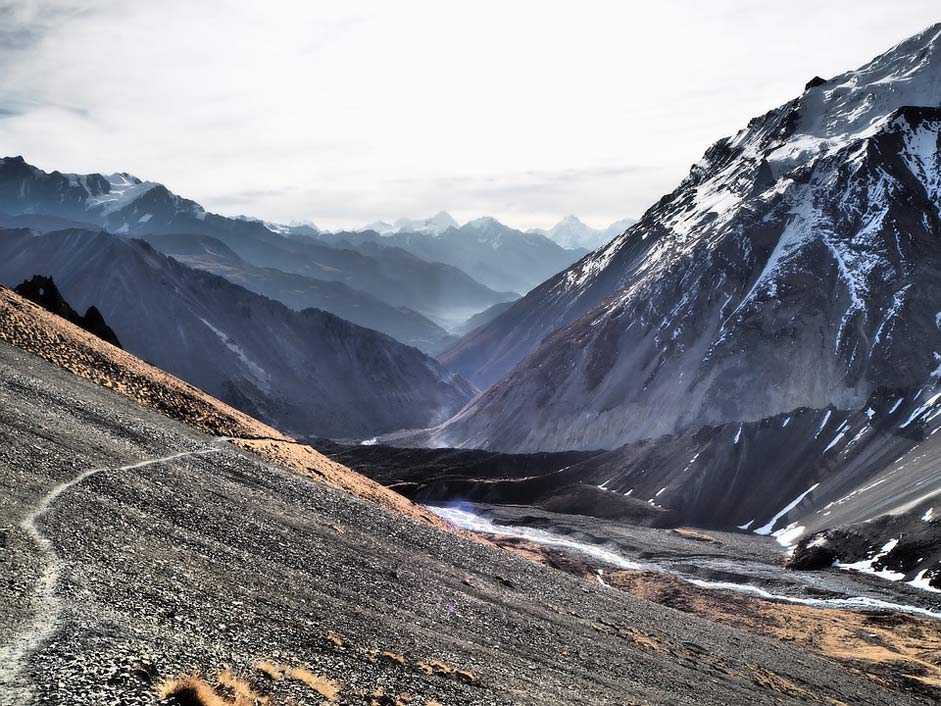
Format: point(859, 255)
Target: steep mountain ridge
point(324, 373)
point(793, 267)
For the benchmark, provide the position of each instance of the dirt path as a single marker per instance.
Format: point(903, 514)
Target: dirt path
point(35, 632)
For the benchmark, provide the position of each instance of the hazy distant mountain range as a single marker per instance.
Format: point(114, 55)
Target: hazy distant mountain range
point(500, 257)
point(298, 370)
point(493, 253)
point(302, 292)
point(435, 225)
point(571, 233)
point(125, 205)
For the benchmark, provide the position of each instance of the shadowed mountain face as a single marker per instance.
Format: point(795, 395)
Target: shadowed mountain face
point(304, 372)
point(796, 266)
point(501, 257)
point(300, 292)
point(121, 203)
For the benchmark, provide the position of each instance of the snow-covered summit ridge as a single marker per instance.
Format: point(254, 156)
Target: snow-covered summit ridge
point(123, 190)
point(856, 103)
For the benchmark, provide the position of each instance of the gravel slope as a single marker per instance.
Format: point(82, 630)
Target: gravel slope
point(216, 559)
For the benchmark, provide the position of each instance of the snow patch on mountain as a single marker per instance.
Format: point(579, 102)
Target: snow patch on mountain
point(125, 189)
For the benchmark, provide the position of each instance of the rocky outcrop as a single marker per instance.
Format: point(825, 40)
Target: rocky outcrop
point(43, 291)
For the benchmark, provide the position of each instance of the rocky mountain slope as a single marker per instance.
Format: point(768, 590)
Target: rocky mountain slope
point(301, 292)
point(37, 331)
point(794, 267)
point(122, 203)
point(306, 372)
point(141, 556)
point(572, 233)
point(501, 257)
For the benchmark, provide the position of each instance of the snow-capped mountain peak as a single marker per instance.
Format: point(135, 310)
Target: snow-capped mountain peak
point(572, 232)
point(484, 222)
point(123, 190)
point(791, 268)
point(435, 225)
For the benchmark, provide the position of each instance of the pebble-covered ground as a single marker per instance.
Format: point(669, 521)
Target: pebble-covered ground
point(266, 583)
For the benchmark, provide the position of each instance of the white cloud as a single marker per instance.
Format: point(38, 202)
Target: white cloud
point(349, 112)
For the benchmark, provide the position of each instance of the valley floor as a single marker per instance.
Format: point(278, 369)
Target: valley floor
point(890, 632)
point(134, 549)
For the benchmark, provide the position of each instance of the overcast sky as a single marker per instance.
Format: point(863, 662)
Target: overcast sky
point(347, 112)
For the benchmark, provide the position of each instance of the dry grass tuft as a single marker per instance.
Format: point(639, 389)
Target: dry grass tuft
point(274, 672)
point(466, 676)
point(242, 692)
point(393, 657)
point(328, 688)
point(189, 690)
point(335, 639)
point(695, 535)
point(441, 669)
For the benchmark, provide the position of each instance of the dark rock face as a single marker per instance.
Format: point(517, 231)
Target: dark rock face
point(814, 82)
point(808, 556)
point(904, 546)
point(43, 291)
point(305, 372)
point(792, 268)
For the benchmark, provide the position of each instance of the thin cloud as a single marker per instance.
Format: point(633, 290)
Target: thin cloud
point(344, 114)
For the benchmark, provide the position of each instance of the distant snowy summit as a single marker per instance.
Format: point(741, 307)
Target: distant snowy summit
point(572, 233)
point(435, 225)
point(308, 228)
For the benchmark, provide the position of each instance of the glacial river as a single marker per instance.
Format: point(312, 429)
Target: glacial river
point(610, 556)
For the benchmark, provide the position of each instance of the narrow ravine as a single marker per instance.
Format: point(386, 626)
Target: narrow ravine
point(47, 604)
point(476, 523)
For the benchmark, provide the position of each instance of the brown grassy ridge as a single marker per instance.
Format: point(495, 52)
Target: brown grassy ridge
point(892, 649)
point(31, 328)
point(899, 651)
